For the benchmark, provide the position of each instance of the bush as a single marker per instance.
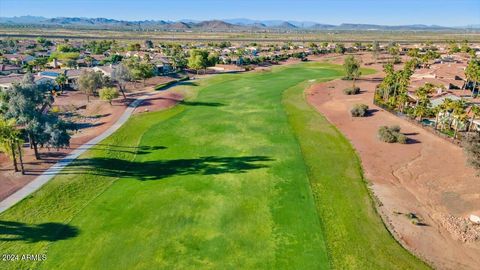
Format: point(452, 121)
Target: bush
point(351, 91)
point(359, 110)
point(108, 94)
point(391, 135)
point(395, 128)
point(401, 138)
point(385, 134)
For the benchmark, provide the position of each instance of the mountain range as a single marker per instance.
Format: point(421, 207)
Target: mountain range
point(210, 25)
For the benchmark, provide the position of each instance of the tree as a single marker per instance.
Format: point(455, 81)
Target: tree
point(198, 60)
point(179, 61)
point(108, 94)
point(10, 142)
point(393, 90)
point(464, 47)
point(61, 80)
point(472, 73)
point(89, 82)
point(177, 56)
point(375, 50)
point(393, 50)
point(413, 52)
point(71, 63)
point(453, 47)
point(212, 59)
point(66, 48)
point(352, 68)
point(442, 109)
point(340, 48)
point(88, 60)
point(40, 62)
point(140, 70)
point(121, 75)
point(423, 105)
point(133, 47)
point(29, 103)
point(99, 47)
point(148, 44)
point(475, 111)
point(144, 71)
point(459, 115)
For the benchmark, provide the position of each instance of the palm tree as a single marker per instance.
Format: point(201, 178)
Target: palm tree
point(88, 60)
point(459, 114)
point(423, 102)
point(436, 110)
point(472, 73)
point(444, 107)
point(475, 110)
point(61, 80)
point(10, 142)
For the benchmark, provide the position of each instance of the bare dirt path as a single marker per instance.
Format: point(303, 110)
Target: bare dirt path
point(427, 177)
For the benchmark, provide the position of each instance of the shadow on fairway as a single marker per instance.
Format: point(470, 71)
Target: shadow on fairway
point(17, 231)
point(159, 169)
point(199, 103)
point(137, 150)
point(148, 102)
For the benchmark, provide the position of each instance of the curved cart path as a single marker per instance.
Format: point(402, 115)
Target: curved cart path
point(47, 175)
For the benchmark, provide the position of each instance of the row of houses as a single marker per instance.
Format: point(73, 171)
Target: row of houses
point(50, 76)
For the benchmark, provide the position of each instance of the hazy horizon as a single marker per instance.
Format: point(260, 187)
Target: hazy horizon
point(407, 12)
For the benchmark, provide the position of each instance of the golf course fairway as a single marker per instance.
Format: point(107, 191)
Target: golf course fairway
point(244, 174)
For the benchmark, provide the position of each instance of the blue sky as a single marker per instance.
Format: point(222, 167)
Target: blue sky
point(389, 12)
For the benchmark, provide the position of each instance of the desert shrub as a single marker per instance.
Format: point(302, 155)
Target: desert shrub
point(386, 135)
point(401, 138)
point(359, 110)
point(391, 135)
point(351, 91)
point(395, 128)
point(108, 94)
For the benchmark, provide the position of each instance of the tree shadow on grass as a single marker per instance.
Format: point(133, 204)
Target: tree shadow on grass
point(138, 150)
point(17, 231)
point(160, 169)
point(148, 102)
point(200, 103)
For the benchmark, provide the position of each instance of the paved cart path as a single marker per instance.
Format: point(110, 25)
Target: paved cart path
point(62, 163)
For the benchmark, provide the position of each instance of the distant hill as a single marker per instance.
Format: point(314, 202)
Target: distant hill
point(286, 25)
point(178, 26)
point(215, 24)
point(211, 25)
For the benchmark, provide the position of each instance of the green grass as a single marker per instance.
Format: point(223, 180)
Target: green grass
point(244, 174)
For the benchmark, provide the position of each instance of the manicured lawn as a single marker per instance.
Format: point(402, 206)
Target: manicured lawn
point(245, 175)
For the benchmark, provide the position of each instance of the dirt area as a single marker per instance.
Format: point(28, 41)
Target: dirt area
point(427, 177)
point(91, 119)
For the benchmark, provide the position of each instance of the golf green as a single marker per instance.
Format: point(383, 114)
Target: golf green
point(244, 174)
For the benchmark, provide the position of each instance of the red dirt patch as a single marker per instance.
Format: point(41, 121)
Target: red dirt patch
point(428, 177)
